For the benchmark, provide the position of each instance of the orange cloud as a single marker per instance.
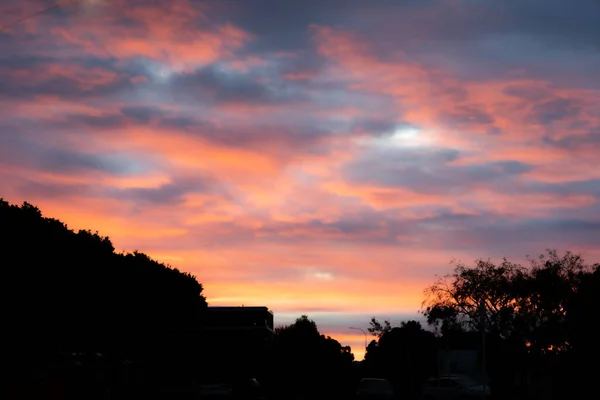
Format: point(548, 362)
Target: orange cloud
point(422, 95)
point(177, 33)
point(381, 198)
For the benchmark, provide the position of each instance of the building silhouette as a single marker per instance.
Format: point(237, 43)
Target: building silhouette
point(236, 341)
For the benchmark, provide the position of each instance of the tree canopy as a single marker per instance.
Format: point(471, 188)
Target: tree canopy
point(405, 354)
point(305, 359)
point(67, 291)
point(532, 303)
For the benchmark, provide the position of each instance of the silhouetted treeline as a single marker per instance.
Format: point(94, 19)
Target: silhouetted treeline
point(66, 292)
point(540, 324)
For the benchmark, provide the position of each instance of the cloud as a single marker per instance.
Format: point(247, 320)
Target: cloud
point(220, 85)
point(529, 93)
point(61, 160)
point(463, 116)
point(142, 114)
point(54, 190)
point(429, 171)
point(167, 194)
point(555, 110)
point(74, 79)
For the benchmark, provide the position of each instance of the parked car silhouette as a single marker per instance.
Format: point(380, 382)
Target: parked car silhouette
point(375, 389)
point(248, 389)
point(451, 387)
point(214, 391)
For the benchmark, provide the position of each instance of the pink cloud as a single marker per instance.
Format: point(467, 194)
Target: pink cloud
point(425, 98)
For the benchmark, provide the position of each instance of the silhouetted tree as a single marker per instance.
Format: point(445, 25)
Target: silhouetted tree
point(531, 303)
point(583, 312)
point(306, 361)
point(538, 317)
point(454, 300)
point(69, 292)
point(376, 328)
point(405, 355)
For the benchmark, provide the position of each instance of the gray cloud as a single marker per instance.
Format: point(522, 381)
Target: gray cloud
point(214, 84)
point(27, 152)
point(484, 39)
point(529, 93)
point(380, 126)
point(560, 189)
point(142, 114)
point(170, 194)
point(66, 161)
point(164, 195)
point(573, 142)
point(523, 236)
point(428, 171)
point(65, 86)
point(465, 116)
point(554, 110)
point(33, 189)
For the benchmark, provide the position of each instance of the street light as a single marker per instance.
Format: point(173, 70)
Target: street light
point(364, 333)
point(482, 321)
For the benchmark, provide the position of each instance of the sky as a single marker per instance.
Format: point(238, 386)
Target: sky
point(327, 158)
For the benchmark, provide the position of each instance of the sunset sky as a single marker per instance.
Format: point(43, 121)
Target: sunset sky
point(320, 157)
